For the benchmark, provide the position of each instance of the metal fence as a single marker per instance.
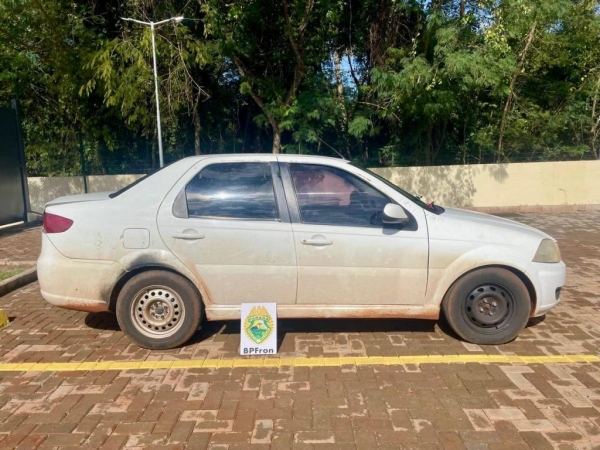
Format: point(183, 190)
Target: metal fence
point(44, 189)
point(77, 174)
point(73, 174)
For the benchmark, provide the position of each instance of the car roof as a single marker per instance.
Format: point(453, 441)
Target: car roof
point(280, 157)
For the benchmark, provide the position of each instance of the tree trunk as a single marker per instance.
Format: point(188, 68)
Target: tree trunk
point(261, 104)
point(297, 44)
point(511, 90)
point(245, 132)
point(197, 129)
point(428, 145)
point(340, 85)
point(276, 139)
point(341, 100)
point(595, 130)
point(462, 8)
point(435, 5)
point(352, 73)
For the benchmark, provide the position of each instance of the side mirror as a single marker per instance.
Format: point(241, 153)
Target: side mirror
point(394, 214)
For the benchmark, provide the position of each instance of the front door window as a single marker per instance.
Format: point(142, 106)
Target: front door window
point(331, 196)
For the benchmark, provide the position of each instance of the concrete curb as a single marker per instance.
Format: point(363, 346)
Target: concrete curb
point(17, 281)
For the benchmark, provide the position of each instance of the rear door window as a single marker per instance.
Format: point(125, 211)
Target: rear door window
point(233, 191)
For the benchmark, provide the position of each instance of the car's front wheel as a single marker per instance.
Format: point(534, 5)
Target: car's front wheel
point(488, 306)
point(159, 309)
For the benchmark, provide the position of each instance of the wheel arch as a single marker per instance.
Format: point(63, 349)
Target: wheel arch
point(116, 290)
point(520, 274)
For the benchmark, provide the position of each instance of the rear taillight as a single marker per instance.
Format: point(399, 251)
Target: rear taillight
point(56, 224)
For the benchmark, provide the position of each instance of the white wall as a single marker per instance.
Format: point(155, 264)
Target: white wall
point(44, 189)
point(106, 183)
point(547, 186)
point(520, 186)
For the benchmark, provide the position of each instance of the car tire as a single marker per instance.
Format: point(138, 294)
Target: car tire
point(159, 310)
point(487, 306)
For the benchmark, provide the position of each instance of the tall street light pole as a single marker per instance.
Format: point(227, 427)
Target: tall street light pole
point(153, 25)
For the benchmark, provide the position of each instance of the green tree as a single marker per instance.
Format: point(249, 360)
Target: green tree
point(275, 47)
point(123, 74)
point(381, 81)
point(41, 47)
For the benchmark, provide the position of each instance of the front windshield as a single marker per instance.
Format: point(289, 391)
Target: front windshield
point(411, 197)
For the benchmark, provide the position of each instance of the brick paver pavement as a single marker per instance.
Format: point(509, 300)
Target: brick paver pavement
point(20, 243)
point(438, 406)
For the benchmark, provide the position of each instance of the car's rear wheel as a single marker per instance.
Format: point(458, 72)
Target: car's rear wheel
point(159, 309)
point(488, 306)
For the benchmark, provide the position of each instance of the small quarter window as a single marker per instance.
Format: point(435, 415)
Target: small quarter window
point(232, 191)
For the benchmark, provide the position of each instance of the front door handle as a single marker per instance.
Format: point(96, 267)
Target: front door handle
point(188, 236)
point(317, 241)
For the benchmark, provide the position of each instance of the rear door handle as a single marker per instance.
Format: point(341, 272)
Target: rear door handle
point(316, 242)
point(188, 236)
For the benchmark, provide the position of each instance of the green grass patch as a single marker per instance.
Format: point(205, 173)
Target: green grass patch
point(10, 271)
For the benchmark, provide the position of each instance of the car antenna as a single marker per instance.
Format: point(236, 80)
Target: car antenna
point(336, 152)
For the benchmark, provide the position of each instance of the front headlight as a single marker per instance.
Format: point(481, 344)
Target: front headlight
point(547, 252)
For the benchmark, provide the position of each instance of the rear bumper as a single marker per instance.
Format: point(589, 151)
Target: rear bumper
point(548, 280)
point(75, 284)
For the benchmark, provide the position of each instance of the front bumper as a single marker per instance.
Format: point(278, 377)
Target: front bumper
point(75, 284)
point(548, 279)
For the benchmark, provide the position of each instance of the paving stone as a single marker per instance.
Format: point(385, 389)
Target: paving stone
point(437, 406)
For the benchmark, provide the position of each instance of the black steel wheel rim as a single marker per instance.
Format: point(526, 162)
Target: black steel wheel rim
point(489, 308)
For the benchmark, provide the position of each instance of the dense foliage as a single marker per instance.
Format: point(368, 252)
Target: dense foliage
point(382, 82)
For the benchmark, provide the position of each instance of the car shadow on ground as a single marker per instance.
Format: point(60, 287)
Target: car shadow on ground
point(102, 321)
point(324, 326)
point(340, 326)
point(108, 322)
point(535, 321)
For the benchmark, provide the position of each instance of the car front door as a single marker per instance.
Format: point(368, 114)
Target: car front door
point(231, 227)
point(345, 254)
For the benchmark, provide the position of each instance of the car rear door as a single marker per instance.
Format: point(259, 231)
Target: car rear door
point(345, 254)
point(230, 225)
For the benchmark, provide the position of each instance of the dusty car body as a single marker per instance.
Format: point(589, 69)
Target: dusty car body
point(318, 236)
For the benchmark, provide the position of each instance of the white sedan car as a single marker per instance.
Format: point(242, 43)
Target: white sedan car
point(318, 236)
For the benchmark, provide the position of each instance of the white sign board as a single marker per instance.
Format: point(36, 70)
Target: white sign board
point(258, 329)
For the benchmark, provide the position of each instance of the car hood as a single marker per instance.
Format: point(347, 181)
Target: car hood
point(79, 198)
point(488, 220)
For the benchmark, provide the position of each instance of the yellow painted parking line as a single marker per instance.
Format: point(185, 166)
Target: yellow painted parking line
point(286, 362)
point(346, 361)
point(271, 362)
point(228, 363)
point(183, 364)
point(243, 362)
point(211, 363)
